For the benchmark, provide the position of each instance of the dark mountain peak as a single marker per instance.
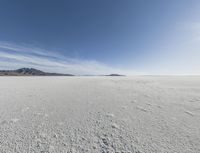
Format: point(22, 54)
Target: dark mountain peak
point(29, 72)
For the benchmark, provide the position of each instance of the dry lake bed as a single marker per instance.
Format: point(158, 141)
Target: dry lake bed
point(141, 114)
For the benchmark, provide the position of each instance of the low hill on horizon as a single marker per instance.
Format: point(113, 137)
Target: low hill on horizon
point(115, 75)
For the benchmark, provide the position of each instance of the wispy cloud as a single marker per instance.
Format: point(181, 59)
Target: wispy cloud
point(13, 56)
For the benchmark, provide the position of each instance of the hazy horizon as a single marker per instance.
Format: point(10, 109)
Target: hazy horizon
point(101, 37)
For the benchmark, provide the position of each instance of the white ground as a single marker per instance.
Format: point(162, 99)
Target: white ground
point(100, 114)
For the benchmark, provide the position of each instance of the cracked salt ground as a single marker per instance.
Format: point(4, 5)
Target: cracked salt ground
point(97, 114)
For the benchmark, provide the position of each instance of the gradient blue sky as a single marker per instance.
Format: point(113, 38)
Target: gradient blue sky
point(101, 36)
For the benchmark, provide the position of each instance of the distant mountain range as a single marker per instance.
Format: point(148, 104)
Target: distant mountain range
point(35, 72)
point(29, 72)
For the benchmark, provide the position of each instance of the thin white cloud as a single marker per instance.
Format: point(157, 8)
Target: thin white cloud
point(14, 56)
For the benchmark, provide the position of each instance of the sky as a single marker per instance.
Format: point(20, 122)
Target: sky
point(86, 37)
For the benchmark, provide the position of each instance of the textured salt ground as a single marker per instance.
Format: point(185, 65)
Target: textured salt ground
point(146, 114)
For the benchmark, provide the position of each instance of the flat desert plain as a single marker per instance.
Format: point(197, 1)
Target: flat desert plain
point(140, 114)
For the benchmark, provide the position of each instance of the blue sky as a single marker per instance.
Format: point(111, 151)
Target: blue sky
point(101, 36)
